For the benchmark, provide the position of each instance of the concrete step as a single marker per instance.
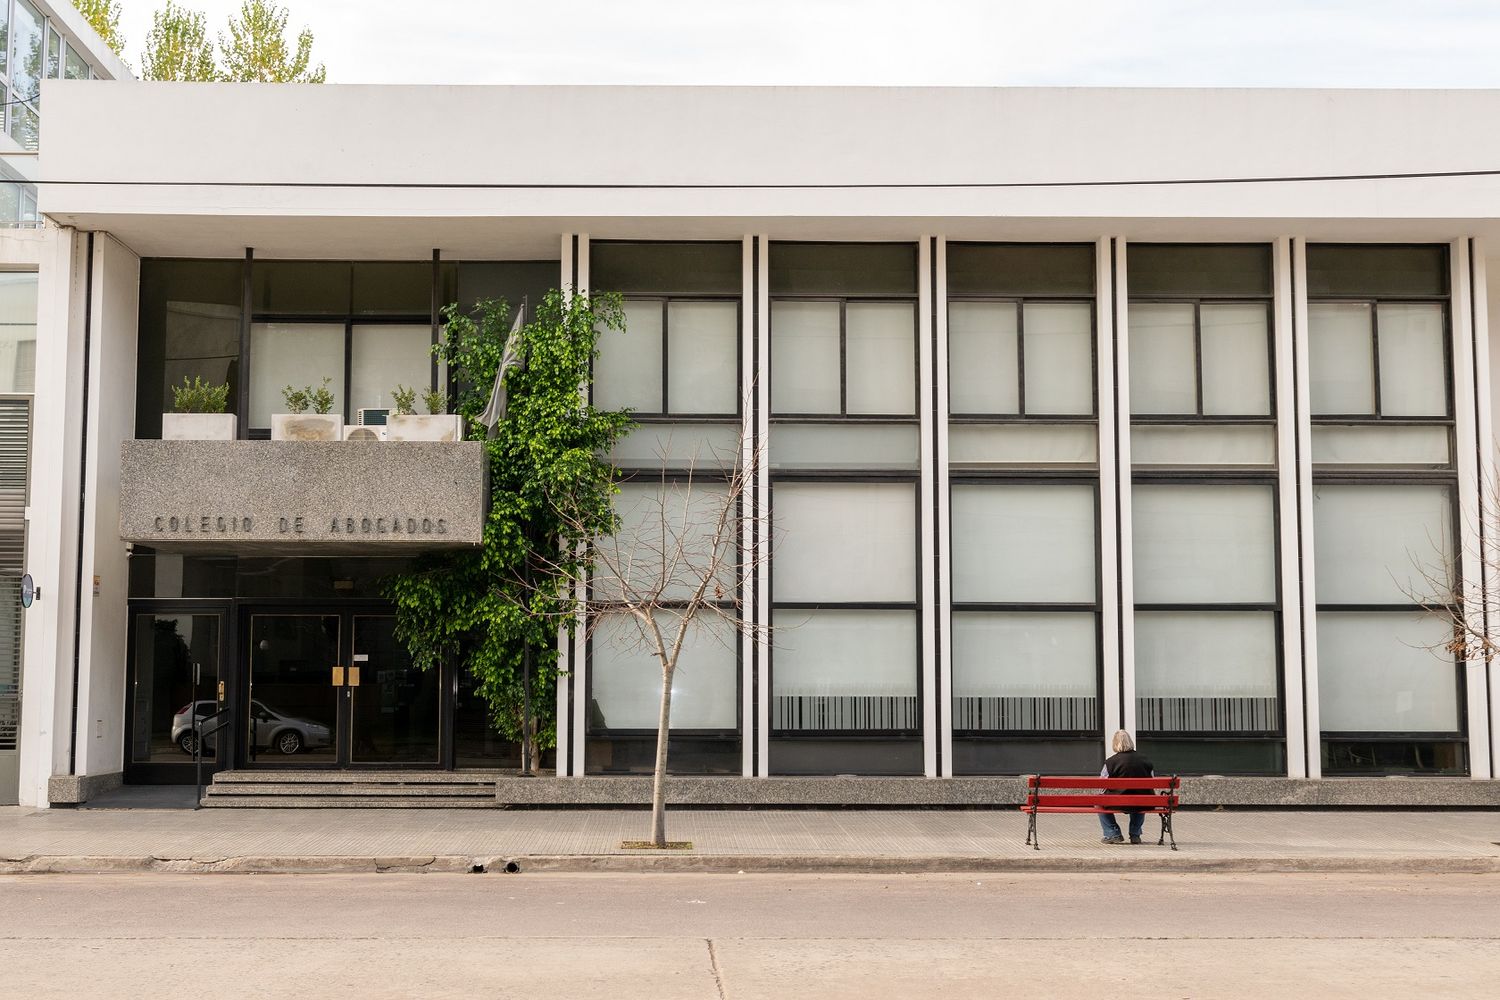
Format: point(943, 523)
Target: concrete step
point(343, 802)
point(309, 775)
point(363, 788)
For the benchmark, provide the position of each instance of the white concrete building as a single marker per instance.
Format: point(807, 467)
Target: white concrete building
point(38, 41)
point(1085, 410)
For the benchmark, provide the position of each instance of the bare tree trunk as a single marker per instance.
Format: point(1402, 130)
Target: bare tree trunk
point(659, 778)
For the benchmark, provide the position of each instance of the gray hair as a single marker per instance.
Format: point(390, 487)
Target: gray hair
point(1121, 742)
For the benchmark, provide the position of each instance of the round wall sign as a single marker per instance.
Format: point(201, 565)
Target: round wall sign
point(28, 591)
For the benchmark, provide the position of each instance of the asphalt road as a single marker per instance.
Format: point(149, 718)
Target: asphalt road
point(729, 937)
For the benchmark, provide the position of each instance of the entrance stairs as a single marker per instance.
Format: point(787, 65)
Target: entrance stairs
point(308, 789)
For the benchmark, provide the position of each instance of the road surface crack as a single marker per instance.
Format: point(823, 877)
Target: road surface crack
point(713, 964)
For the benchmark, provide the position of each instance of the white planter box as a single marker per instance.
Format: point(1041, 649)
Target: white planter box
point(307, 427)
point(199, 426)
point(425, 427)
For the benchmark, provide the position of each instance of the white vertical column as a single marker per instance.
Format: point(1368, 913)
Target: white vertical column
point(1109, 536)
point(1120, 713)
point(943, 509)
point(1484, 412)
point(564, 637)
point(1470, 508)
point(749, 515)
point(1313, 758)
point(581, 588)
point(763, 502)
point(1289, 516)
point(927, 546)
point(52, 515)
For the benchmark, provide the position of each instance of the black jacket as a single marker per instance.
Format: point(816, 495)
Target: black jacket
point(1130, 764)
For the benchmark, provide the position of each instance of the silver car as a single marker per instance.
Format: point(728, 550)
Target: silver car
point(286, 734)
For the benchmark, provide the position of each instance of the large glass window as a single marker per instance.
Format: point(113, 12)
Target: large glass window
point(18, 331)
point(843, 454)
point(1202, 405)
point(1379, 363)
point(1022, 447)
point(189, 328)
point(676, 367)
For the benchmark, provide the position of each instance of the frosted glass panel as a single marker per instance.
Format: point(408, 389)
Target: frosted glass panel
point(1383, 444)
point(1163, 362)
point(1380, 544)
point(627, 372)
point(844, 542)
point(866, 652)
point(382, 357)
point(805, 357)
point(295, 354)
point(1059, 358)
point(1413, 369)
point(626, 676)
point(1206, 671)
point(1202, 444)
point(1027, 671)
point(1340, 358)
point(1022, 444)
point(678, 446)
point(843, 446)
point(1377, 673)
point(983, 373)
point(665, 541)
point(1205, 654)
point(1023, 543)
point(1236, 360)
point(703, 357)
point(1204, 544)
point(881, 340)
point(999, 654)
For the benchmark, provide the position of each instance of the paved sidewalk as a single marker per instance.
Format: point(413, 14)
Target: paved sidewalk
point(270, 840)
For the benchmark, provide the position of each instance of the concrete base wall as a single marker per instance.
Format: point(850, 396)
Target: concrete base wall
point(983, 792)
point(71, 789)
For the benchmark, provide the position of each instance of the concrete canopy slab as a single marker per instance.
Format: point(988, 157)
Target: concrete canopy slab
point(302, 497)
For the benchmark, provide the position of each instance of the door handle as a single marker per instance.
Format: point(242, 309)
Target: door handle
point(354, 677)
point(338, 677)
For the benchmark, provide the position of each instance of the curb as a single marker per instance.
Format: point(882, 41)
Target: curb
point(734, 864)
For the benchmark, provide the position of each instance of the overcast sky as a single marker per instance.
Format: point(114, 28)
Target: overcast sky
point(1258, 43)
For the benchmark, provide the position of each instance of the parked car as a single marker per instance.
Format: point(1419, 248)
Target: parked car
point(286, 734)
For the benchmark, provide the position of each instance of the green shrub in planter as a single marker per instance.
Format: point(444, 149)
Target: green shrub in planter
point(199, 396)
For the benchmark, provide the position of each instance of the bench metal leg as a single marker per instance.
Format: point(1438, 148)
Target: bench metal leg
point(1031, 836)
point(1166, 831)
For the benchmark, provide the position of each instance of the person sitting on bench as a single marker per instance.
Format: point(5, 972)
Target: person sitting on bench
point(1126, 762)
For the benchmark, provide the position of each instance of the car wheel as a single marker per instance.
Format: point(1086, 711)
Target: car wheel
point(288, 741)
point(188, 741)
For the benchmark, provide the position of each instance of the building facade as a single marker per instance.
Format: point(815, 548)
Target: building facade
point(37, 42)
point(1071, 411)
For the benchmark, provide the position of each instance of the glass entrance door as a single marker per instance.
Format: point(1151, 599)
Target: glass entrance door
point(174, 681)
point(338, 689)
point(295, 689)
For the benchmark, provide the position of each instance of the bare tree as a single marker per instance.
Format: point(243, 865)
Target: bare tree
point(1461, 587)
point(675, 573)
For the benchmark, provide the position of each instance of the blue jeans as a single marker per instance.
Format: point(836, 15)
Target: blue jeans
point(1112, 828)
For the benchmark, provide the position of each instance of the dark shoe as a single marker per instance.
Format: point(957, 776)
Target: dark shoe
point(1135, 840)
point(1113, 840)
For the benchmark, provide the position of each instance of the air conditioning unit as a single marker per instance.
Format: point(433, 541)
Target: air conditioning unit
point(359, 433)
point(372, 416)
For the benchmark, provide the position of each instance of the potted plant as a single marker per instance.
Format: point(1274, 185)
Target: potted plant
point(299, 425)
point(198, 413)
point(405, 424)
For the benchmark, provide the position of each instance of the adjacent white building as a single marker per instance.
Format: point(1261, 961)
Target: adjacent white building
point(1083, 410)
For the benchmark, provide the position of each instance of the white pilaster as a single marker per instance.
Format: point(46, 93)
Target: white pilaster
point(1309, 592)
point(1119, 710)
point(928, 545)
point(1290, 520)
point(749, 516)
point(1109, 541)
point(53, 515)
point(763, 503)
point(581, 588)
point(1470, 507)
point(943, 511)
point(564, 638)
point(1484, 410)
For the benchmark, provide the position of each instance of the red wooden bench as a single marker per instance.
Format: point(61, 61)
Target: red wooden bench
point(1102, 795)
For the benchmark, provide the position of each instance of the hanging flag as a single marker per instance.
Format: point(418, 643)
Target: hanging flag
point(510, 358)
